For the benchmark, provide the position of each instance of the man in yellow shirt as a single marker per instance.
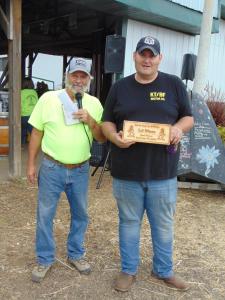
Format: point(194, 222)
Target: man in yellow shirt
point(29, 98)
point(64, 124)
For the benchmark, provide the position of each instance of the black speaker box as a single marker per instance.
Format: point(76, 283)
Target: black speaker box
point(188, 66)
point(114, 54)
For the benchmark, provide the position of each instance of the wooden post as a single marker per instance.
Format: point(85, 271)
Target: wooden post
point(65, 64)
point(14, 58)
point(23, 65)
point(30, 58)
point(3, 77)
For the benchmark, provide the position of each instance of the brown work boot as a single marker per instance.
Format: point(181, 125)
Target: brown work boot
point(124, 282)
point(173, 282)
point(81, 265)
point(39, 272)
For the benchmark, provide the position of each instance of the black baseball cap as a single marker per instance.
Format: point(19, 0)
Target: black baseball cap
point(148, 42)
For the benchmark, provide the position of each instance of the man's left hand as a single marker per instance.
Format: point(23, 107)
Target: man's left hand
point(176, 135)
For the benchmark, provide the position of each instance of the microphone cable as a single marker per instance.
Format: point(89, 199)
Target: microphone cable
point(78, 97)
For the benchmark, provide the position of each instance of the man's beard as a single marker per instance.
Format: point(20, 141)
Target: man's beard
point(76, 88)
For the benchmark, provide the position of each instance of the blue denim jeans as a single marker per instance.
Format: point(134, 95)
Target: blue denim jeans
point(158, 199)
point(53, 179)
point(25, 129)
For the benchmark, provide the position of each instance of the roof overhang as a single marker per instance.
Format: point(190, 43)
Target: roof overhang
point(222, 9)
point(163, 13)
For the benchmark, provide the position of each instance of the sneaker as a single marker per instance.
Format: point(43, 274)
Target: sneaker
point(124, 282)
point(39, 272)
point(81, 265)
point(173, 282)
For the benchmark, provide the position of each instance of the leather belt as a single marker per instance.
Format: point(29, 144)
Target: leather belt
point(68, 166)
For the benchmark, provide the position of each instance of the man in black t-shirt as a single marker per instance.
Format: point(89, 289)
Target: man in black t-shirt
point(144, 175)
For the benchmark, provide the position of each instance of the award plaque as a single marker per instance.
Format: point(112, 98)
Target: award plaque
point(144, 132)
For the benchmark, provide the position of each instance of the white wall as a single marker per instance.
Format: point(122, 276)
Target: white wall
point(173, 46)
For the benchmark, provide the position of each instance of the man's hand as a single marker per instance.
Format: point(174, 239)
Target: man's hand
point(33, 149)
point(83, 116)
point(110, 131)
point(117, 139)
point(31, 174)
point(176, 135)
point(177, 130)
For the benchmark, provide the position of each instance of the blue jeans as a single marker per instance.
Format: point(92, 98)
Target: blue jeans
point(25, 129)
point(53, 179)
point(158, 199)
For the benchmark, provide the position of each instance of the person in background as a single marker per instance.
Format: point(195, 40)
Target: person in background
point(42, 88)
point(29, 98)
point(64, 125)
point(145, 175)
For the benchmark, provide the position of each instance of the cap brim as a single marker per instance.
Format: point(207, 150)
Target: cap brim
point(79, 69)
point(155, 52)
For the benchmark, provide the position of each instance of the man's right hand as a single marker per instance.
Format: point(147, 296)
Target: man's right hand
point(31, 174)
point(33, 149)
point(117, 139)
point(110, 131)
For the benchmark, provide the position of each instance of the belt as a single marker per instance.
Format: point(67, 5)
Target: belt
point(68, 166)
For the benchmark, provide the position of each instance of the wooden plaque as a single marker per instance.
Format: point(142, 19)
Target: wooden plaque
point(144, 132)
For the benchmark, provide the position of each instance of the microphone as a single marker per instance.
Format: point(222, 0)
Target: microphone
point(78, 97)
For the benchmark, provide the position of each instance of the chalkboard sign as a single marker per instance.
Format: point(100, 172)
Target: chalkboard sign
point(202, 150)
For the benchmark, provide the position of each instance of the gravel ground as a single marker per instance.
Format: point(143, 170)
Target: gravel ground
point(199, 249)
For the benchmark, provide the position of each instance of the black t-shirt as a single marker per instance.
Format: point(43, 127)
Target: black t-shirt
point(165, 100)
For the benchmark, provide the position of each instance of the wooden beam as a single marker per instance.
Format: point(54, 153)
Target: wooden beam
point(5, 81)
point(32, 57)
point(201, 186)
point(3, 76)
point(23, 65)
point(4, 22)
point(14, 59)
point(65, 64)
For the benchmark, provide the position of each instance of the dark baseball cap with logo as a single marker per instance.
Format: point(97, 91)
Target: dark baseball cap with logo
point(79, 64)
point(148, 42)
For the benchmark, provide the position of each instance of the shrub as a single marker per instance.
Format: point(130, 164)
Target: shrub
point(217, 110)
point(215, 100)
point(212, 94)
point(222, 133)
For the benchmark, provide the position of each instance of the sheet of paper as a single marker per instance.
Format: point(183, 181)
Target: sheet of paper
point(69, 107)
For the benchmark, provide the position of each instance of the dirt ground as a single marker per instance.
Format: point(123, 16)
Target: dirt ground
point(199, 249)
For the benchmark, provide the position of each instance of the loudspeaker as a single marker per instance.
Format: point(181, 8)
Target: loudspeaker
point(188, 66)
point(114, 54)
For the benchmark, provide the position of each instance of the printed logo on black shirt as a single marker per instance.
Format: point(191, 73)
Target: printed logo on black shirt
point(157, 96)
